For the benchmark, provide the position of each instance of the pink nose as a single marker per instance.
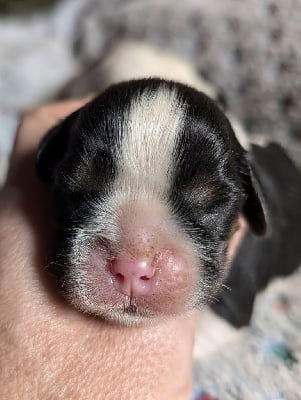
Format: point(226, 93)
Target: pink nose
point(133, 277)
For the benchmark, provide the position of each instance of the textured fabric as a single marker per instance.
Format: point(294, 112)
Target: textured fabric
point(260, 362)
point(250, 50)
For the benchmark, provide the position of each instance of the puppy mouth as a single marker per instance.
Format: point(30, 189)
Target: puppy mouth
point(131, 309)
point(95, 293)
point(147, 268)
point(128, 311)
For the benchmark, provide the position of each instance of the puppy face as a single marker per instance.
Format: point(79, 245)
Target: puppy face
point(148, 181)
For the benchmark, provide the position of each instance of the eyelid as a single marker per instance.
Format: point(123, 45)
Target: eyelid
point(201, 195)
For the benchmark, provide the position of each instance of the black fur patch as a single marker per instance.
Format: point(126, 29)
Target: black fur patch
point(259, 260)
point(207, 192)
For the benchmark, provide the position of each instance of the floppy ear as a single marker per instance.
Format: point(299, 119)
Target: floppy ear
point(253, 208)
point(53, 148)
point(259, 260)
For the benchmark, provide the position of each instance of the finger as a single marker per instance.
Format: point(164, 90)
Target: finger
point(36, 122)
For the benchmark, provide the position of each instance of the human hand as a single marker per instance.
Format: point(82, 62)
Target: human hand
point(48, 350)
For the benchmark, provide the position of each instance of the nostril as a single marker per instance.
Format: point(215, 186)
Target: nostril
point(134, 277)
point(119, 276)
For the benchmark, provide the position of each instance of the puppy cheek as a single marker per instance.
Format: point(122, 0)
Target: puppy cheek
point(240, 228)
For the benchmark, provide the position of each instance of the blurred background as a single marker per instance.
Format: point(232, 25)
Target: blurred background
point(250, 51)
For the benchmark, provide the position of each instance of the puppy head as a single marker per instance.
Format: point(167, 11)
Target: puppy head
point(148, 181)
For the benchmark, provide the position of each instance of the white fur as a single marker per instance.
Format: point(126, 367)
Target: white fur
point(149, 139)
point(240, 132)
point(130, 59)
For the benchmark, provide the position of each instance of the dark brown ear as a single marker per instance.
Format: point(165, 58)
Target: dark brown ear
point(253, 208)
point(52, 148)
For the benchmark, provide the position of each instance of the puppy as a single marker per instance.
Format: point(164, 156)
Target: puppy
point(148, 182)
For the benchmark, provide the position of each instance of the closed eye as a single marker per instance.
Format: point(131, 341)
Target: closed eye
point(205, 196)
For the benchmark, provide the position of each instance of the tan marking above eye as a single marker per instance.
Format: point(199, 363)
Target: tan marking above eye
point(201, 194)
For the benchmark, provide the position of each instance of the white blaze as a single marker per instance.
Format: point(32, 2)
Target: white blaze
point(150, 134)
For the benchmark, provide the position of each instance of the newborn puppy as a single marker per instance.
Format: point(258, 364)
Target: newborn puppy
point(148, 182)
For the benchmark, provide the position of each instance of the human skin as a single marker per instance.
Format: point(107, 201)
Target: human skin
point(48, 350)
